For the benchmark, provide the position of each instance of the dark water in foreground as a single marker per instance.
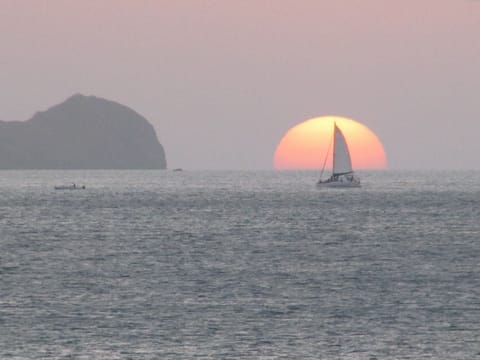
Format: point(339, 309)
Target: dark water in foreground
point(247, 265)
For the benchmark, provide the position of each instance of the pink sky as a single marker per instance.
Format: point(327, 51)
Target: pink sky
point(222, 81)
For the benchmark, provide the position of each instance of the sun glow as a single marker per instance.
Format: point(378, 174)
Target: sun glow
point(309, 144)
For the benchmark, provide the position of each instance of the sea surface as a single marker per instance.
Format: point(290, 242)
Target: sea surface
point(239, 265)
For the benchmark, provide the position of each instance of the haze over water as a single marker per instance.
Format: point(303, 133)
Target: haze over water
point(146, 264)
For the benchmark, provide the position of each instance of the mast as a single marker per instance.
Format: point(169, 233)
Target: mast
point(334, 146)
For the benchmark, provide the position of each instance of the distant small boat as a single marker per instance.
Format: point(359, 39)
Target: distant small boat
point(178, 169)
point(342, 172)
point(70, 187)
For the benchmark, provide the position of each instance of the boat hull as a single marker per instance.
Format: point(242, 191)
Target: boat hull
point(341, 181)
point(338, 184)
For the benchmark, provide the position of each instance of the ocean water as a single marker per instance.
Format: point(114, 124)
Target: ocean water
point(239, 265)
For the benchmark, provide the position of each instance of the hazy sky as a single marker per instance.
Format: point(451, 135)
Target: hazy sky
point(223, 80)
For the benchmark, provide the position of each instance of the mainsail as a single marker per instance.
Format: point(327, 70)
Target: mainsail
point(341, 157)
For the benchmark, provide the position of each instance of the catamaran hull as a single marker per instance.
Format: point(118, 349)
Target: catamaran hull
point(339, 184)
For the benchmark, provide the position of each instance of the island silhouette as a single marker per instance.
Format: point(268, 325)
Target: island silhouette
point(83, 132)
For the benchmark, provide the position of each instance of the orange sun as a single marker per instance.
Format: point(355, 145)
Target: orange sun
point(306, 145)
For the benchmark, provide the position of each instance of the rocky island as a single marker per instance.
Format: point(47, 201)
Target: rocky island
point(83, 132)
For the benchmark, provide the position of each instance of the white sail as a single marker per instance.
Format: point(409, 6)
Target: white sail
point(341, 157)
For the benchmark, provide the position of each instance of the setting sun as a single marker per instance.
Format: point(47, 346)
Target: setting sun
point(306, 145)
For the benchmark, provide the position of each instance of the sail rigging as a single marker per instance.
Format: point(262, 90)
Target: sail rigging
point(326, 156)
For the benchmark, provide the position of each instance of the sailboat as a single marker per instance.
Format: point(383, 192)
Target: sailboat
point(342, 172)
point(69, 187)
